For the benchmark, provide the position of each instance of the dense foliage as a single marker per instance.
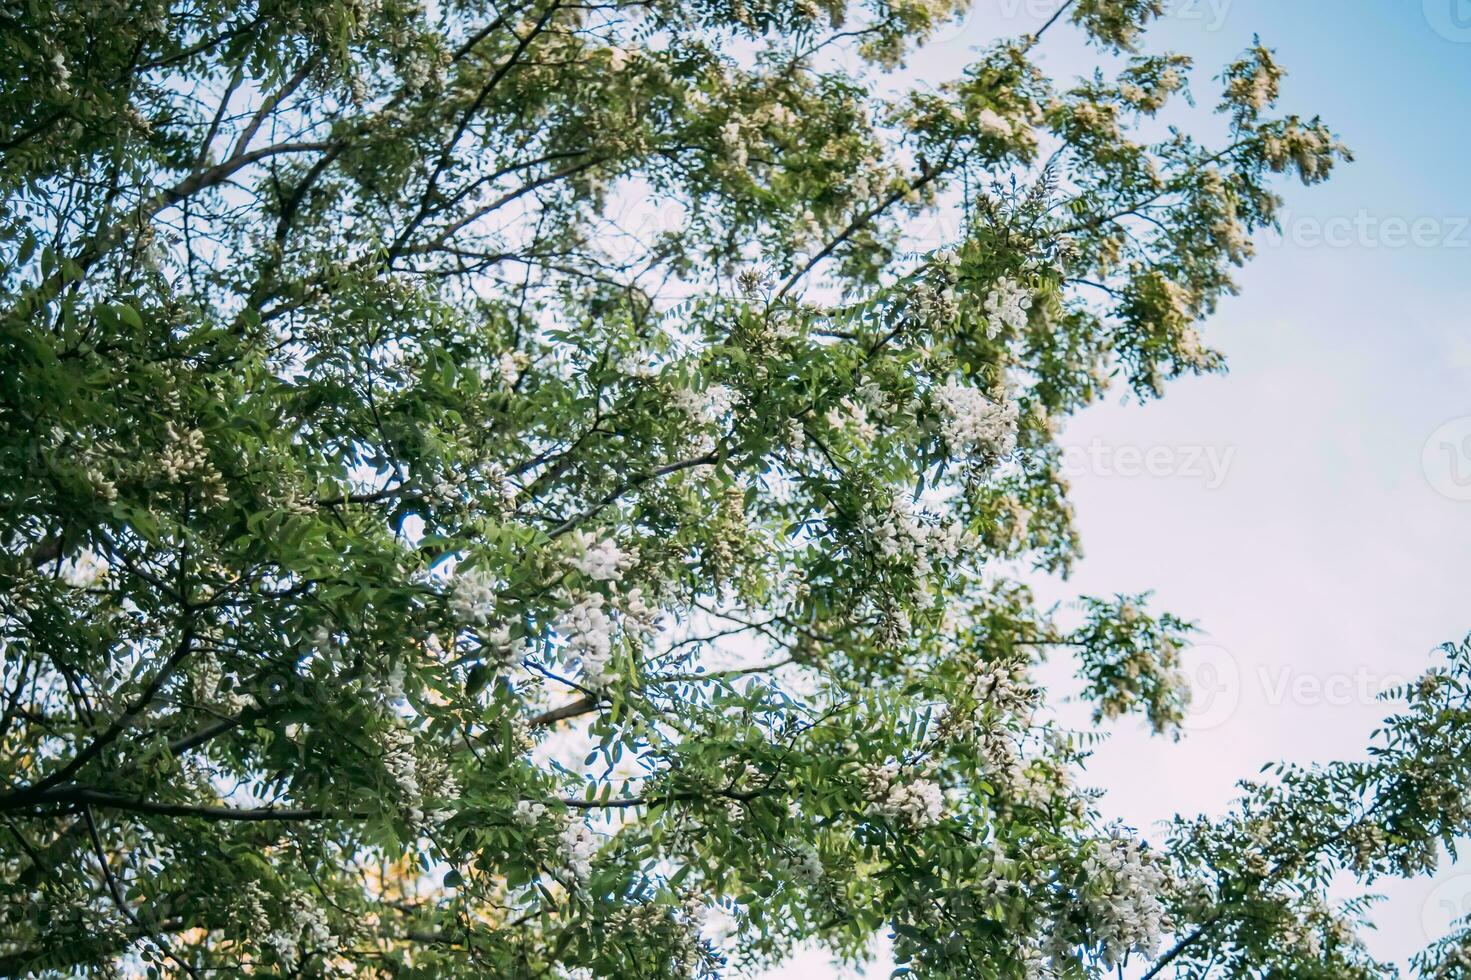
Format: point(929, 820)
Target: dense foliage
point(490, 491)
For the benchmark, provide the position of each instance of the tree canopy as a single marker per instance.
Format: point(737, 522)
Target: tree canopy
point(492, 489)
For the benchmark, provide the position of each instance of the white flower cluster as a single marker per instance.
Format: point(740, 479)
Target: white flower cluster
point(994, 124)
point(576, 844)
point(472, 597)
point(590, 625)
point(911, 799)
point(974, 423)
point(184, 455)
point(706, 409)
point(714, 403)
point(602, 561)
point(588, 630)
point(1122, 898)
point(307, 934)
point(851, 416)
point(997, 687)
point(1308, 148)
point(413, 784)
point(915, 537)
point(735, 144)
point(508, 367)
point(575, 848)
point(935, 307)
point(1006, 307)
point(636, 364)
point(505, 651)
point(801, 862)
point(84, 570)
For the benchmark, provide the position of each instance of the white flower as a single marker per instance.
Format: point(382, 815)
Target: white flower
point(528, 813)
point(602, 561)
point(918, 537)
point(905, 797)
point(1122, 898)
point(84, 570)
point(1006, 306)
point(706, 409)
point(994, 124)
point(589, 633)
point(576, 848)
point(184, 455)
point(391, 688)
point(735, 144)
point(638, 617)
point(472, 597)
point(637, 364)
point(854, 417)
point(509, 368)
point(802, 863)
point(974, 423)
point(401, 765)
point(709, 406)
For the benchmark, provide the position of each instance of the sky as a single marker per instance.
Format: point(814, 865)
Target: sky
point(1311, 509)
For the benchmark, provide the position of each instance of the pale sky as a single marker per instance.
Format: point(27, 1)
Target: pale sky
point(1311, 510)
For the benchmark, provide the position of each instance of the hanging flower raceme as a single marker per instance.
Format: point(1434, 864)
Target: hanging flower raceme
point(974, 424)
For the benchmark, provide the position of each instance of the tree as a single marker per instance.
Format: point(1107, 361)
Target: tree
point(385, 515)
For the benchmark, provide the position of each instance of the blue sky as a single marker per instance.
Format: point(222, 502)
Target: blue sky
point(1323, 554)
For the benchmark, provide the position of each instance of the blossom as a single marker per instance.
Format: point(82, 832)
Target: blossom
point(993, 123)
point(1006, 306)
point(84, 570)
point(1122, 898)
point(304, 932)
point(509, 368)
point(852, 416)
point(185, 453)
point(575, 848)
point(588, 630)
point(472, 597)
point(706, 407)
point(917, 537)
point(800, 860)
point(974, 423)
point(602, 561)
point(913, 800)
point(636, 364)
point(401, 764)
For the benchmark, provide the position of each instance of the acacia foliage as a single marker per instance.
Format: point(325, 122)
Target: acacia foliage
point(417, 562)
